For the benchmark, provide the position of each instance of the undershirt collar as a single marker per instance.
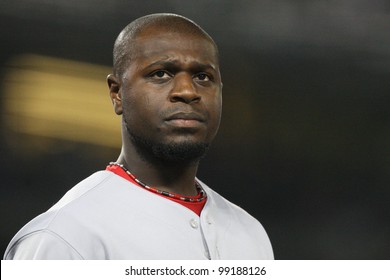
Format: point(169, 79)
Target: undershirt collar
point(194, 206)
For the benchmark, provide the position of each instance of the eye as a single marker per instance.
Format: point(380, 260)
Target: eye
point(202, 77)
point(160, 74)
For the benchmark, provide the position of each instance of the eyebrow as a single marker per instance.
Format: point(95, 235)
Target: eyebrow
point(174, 64)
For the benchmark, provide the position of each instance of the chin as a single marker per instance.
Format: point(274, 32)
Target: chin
point(170, 151)
point(180, 152)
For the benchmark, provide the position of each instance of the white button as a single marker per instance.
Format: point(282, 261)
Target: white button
point(193, 223)
point(209, 220)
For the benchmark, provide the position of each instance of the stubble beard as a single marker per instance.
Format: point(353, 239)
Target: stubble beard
point(185, 152)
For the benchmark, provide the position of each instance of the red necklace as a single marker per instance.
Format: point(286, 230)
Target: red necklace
point(200, 197)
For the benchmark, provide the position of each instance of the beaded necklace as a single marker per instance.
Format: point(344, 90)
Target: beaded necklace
point(201, 193)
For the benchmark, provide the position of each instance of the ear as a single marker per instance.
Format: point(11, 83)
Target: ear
point(115, 93)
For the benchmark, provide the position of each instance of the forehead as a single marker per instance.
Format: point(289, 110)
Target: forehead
point(156, 44)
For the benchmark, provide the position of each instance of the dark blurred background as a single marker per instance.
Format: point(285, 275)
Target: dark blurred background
point(305, 134)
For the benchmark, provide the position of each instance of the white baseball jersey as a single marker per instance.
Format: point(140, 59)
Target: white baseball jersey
point(107, 217)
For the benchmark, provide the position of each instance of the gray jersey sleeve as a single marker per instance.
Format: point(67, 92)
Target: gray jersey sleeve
point(42, 245)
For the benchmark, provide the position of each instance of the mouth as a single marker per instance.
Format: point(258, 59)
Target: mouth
point(183, 119)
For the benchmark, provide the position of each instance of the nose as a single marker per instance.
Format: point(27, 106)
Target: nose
point(184, 89)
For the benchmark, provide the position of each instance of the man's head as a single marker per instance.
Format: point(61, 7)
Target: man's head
point(167, 85)
point(124, 44)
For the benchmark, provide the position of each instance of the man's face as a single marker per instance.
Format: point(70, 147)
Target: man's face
point(172, 94)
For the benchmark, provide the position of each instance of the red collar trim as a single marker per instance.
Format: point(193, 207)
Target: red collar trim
point(196, 207)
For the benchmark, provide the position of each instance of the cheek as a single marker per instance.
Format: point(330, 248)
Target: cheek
point(215, 112)
point(144, 116)
point(215, 106)
point(136, 103)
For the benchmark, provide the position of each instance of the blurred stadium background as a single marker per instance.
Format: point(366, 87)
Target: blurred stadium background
point(304, 144)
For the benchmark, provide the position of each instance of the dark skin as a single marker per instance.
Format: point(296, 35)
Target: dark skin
point(171, 92)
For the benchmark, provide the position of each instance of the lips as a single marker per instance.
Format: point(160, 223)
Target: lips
point(185, 116)
point(183, 119)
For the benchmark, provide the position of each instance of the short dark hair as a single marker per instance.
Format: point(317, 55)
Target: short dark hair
point(169, 22)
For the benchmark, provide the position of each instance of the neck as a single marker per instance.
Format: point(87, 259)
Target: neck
point(166, 176)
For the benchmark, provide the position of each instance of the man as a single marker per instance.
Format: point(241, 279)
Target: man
point(149, 204)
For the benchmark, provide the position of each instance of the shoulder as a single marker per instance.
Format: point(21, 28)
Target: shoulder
point(239, 229)
point(89, 185)
point(42, 245)
point(229, 208)
point(57, 226)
